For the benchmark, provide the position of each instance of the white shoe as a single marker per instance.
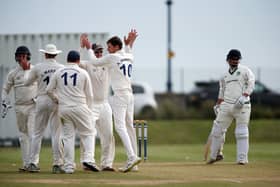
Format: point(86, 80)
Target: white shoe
point(242, 162)
point(130, 164)
point(68, 171)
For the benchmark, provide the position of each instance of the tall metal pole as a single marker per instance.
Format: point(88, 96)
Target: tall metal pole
point(169, 52)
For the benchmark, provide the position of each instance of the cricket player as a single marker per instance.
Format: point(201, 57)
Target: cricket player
point(24, 101)
point(75, 98)
point(120, 70)
point(46, 110)
point(236, 87)
point(102, 112)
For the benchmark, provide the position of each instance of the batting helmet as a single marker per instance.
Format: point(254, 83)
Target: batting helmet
point(23, 50)
point(234, 54)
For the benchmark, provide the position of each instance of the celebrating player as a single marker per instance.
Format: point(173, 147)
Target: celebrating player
point(46, 110)
point(101, 109)
point(74, 97)
point(24, 101)
point(120, 69)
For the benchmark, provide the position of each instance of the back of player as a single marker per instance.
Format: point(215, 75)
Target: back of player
point(46, 109)
point(121, 74)
point(74, 96)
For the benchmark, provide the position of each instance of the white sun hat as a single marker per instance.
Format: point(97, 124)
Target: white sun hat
point(50, 49)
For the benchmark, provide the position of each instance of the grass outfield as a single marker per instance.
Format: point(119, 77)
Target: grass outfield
point(174, 165)
point(175, 159)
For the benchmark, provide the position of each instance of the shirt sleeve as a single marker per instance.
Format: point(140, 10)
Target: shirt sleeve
point(250, 82)
point(127, 49)
point(51, 88)
point(83, 54)
point(103, 61)
point(32, 77)
point(88, 91)
point(9, 83)
point(221, 89)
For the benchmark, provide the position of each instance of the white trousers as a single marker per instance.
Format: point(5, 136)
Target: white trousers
point(77, 118)
point(122, 107)
point(104, 125)
point(46, 113)
point(25, 115)
point(228, 112)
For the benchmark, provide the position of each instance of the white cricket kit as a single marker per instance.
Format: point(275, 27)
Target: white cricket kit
point(74, 95)
point(46, 112)
point(24, 107)
point(120, 70)
point(232, 87)
point(102, 111)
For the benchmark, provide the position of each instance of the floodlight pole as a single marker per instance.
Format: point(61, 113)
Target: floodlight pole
point(169, 51)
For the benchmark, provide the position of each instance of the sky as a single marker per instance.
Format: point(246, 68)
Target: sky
point(203, 31)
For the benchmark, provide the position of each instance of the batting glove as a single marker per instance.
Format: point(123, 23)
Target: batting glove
point(241, 101)
point(216, 109)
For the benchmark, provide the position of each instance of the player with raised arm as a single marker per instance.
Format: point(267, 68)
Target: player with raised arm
point(24, 101)
point(120, 70)
point(102, 112)
point(70, 87)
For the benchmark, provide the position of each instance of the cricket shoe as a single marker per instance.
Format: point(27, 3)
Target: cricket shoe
point(130, 164)
point(56, 169)
point(108, 169)
point(23, 169)
point(211, 161)
point(242, 162)
point(33, 168)
point(219, 157)
point(90, 167)
point(68, 171)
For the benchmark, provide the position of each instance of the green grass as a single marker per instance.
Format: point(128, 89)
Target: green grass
point(197, 131)
point(176, 165)
point(175, 159)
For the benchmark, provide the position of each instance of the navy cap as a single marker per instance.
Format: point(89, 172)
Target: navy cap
point(73, 56)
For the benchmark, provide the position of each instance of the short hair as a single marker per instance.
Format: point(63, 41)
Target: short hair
point(115, 41)
point(234, 54)
point(73, 56)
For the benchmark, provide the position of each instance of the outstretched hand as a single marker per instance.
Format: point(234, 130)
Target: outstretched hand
point(84, 42)
point(130, 39)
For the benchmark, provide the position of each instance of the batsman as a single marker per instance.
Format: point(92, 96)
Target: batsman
point(233, 103)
